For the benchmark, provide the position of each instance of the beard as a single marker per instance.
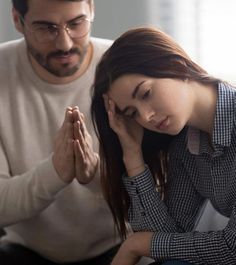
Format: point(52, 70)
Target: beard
point(63, 70)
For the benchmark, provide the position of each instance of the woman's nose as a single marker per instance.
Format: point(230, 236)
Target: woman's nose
point(147, 114)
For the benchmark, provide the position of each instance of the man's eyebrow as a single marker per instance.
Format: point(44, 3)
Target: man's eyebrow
point(45, 22)
point(136, 89)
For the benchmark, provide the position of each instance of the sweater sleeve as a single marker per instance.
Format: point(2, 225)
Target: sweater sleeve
point(23, 196)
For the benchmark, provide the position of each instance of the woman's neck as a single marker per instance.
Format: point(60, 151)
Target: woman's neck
point(204, 109)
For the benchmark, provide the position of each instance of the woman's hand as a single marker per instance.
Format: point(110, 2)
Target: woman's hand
point(130, 135)
point(129, 132)
point(134, 247)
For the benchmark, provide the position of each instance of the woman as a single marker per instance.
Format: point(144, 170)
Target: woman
point(167, 134)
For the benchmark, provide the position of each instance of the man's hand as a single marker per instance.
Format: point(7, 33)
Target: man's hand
point(134, 247)
point(73, 155)
point(63, 155)
point(86, 160)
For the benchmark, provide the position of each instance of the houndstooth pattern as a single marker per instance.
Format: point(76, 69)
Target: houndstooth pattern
point(198, 171)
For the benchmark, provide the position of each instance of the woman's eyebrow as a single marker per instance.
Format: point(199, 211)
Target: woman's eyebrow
point(136, 89)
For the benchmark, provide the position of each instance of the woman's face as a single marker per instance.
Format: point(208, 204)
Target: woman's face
point(159, 104)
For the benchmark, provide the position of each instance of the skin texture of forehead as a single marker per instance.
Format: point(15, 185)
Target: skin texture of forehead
point(64, 10)
point(29, 2)
point(88, 1)
point(22, 6)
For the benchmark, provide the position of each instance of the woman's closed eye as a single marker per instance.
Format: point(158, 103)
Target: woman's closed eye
point(146, 94)
point(132, 114)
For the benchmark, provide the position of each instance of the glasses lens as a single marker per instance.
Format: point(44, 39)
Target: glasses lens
point(45, 34)
point(79, 29)
point(75, 30)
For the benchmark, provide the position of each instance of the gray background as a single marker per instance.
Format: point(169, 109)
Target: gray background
point(112, 17)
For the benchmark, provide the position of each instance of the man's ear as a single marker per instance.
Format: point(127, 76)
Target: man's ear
point(17, 20)
point(92, 10)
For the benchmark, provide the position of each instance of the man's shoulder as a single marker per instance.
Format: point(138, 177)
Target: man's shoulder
point(101, 41)
point(9, 51)
point(10, 45)
point(101, 45)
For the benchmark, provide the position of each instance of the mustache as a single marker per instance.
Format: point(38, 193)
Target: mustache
point(63, 53)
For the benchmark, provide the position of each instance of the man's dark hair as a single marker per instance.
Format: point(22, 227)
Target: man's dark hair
point(22, 5)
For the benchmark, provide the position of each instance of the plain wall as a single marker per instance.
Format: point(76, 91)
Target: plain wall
point(7, 30)
point(112, 17)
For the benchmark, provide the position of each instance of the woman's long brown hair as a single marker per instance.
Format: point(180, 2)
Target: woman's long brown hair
point(150, 52)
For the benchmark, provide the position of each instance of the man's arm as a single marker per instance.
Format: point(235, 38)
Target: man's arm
point(25, 195)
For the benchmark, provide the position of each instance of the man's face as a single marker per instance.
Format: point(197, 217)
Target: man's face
point(63, 56)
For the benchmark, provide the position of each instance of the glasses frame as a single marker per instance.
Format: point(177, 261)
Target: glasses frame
point(58, 28)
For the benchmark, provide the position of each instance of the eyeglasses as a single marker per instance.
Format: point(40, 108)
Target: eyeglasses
point(45, 33)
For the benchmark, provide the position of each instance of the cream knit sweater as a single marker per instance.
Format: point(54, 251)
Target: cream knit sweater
point(64, 223)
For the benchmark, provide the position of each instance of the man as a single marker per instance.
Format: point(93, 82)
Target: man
point(51, 205)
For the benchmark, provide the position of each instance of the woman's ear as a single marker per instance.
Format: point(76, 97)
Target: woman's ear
point(17, 20)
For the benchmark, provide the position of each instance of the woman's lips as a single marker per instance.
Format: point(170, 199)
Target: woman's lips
point(163, 124)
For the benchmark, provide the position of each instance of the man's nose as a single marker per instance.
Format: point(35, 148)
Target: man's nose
point(63, 40)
